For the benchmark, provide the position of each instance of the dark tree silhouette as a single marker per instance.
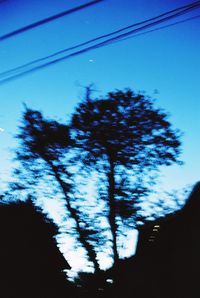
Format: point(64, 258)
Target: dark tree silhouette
point(123, 138)
point(123, 132)
point(31, 263)
point(43, 152)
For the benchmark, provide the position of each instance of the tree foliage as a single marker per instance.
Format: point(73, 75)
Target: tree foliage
point(127, 128)
point(123, 138)
point(43, 152)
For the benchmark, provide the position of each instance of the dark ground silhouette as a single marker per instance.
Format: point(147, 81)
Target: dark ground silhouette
point(166, 264)
point(31, 263)
point(167, 259)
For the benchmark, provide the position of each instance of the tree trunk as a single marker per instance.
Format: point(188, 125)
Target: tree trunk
point(88, 247)
point(112, 209)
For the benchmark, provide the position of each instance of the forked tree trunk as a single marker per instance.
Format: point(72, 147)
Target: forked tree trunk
point(80, 232)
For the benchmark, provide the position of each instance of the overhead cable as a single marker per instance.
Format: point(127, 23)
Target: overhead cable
point(160, 28)
point(47, 20)
point(14, 72)
point(122, 36)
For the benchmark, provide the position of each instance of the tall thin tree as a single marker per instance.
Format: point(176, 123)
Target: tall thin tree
point(123, 132)
point(43, 150)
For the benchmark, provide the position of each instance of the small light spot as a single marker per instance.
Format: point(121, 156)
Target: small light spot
point(1, 129)
point(91, 61)
point(109, 280)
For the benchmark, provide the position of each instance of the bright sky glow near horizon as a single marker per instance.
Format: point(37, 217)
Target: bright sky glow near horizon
point(165, 64)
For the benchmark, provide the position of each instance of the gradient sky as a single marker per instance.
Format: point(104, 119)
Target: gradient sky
point(163, 63)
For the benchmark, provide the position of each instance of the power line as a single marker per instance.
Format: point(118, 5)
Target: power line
point(47, 20)
point(98, 45)
point(111, 40)
point(161, 28)
point(185, 9)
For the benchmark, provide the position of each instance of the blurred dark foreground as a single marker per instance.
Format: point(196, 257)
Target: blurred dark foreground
point(166, 263)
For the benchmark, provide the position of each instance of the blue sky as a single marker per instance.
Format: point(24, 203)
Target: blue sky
point(166, 61)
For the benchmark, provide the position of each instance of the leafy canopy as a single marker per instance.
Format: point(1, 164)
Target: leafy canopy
point(126, 128)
